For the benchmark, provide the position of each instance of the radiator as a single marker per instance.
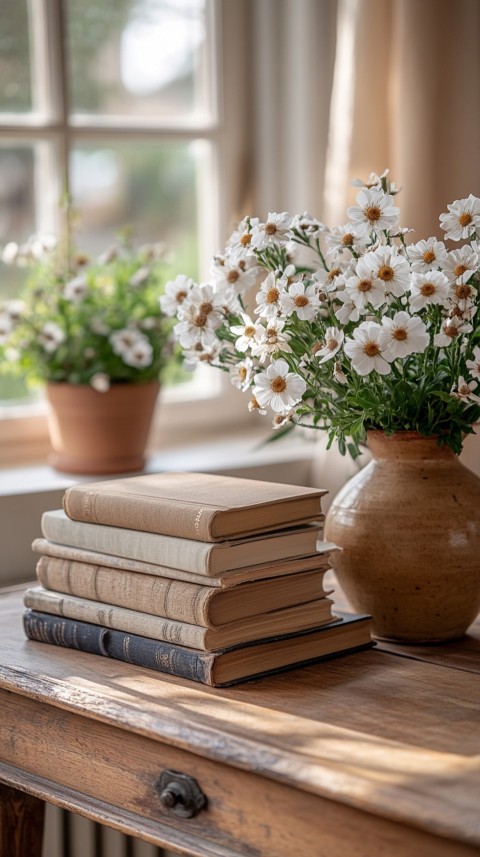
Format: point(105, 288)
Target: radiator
point(69, 835)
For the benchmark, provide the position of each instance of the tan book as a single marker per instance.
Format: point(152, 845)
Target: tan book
point(208, 558)
point(216, 669)
point(175, 599)
point(199, 506)
point(291, 619)
point(318, 561)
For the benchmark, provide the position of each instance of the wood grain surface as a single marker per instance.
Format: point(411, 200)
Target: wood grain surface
point(21, 823)
point(367, 742)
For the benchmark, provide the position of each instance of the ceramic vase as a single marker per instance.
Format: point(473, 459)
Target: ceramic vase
point(408, 526)
point(93, 432)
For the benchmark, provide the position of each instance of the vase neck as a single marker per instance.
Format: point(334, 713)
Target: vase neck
point(406, 445)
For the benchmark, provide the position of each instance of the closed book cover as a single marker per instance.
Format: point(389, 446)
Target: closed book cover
point(284, 621)
point(320, 559)
point(349, 634)
point(199, 506)
point(200, 557)
point(176, 599)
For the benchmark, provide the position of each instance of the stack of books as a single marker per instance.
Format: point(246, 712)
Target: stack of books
point(210, 578)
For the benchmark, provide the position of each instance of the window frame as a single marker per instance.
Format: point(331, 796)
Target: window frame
point(221, 408)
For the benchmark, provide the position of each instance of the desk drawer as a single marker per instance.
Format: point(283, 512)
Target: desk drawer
point(245, 814)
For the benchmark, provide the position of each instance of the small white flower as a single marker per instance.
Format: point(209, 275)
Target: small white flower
point(280, 420)
point(240, 276)
point(238, 245)
point(123, 340)
point(139, 277)
point(14, 309)
point(364, 349)
point(309, 225)
point(6, 327)
point(255, 407)
point(246, 332)
point(10, 253)
point(241, 374)
point(349, 311)
point(389, 266)
point(375, 209)
point(301, 299)
point(175, 293)
point(474, 365)
point(51, 336)
point(374, 180)
point(428, 289)
point(339, 374)
point(464, 391)
point(100, 382)
point(461, 264)
point(140, 354)
point(402, 335)
point(271, 339)
point(450, 330)
point(333, 339)
point(75, 290)
point(109, 255)
point(200, 354)
point(334, 279)
point(463, 219)
point(269, 297)
point(364, 287)
point(347, 239)
point(278, 387)
point(427, 255)
point(275, 232)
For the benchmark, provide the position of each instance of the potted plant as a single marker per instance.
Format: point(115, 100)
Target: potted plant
point(93, 332)
point(369, 334)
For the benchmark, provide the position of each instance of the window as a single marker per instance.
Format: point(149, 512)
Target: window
point(119, 102)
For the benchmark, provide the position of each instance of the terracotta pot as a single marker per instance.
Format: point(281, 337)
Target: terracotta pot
point(92, 432)
point(409, 528)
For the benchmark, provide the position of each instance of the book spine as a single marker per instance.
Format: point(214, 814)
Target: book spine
point(119, 618)
point(150, 514)
point(140, 651)
point(168, 551)
point(160, 596)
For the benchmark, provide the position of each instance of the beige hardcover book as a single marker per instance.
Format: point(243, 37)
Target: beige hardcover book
point(318, 561)
point(298, 618)
point(208, 558)
point(199, 506)
point(175, 599)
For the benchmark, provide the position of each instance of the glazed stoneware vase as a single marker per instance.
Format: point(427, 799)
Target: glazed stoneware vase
point(93, 432)
point(408, 525)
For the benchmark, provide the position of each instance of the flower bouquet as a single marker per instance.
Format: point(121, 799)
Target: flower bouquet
point(353, 328)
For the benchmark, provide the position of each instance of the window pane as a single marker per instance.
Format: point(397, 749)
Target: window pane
point(17, 207)
point(137, 58)
point(15, 89)
point(147, 186)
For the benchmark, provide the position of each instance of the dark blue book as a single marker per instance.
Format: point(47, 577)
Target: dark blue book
point(216, 669)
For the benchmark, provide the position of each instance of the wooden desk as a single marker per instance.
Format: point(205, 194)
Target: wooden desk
point(369, 755)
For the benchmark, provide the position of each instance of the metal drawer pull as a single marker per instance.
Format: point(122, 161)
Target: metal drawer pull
point(180, 794)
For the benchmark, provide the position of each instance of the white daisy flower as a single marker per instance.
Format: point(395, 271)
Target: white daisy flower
point(238, 245)
point(427, 255)
point(278, 387)
point(75, 290)
point(241, 374)
point(140, 354)
point(364, 287)
point(51, 336)
point(464, 295)
point(109, 255)
point(461, 264)
point(10, 253)
point(205, 305)
point(271, 339)
point(389, 266)
point(463, 218)
point(428, 289)
point(175, 293)
point(332, 280)
point(200, 354)
point(402, 335)
point(255, 407)
point(364, 349)
point(240, 276)
point(464, 391)
point(349, 311)
point(375, 209)
point(14, 309)
point(373, 180)
point(309, 225)
point(123, 340)
point(269, 297)
point(275, 232)
point(301, 299)
point(100, 382)
point(246, 332)
point(451, 329)
point(280, 420)
point(474, 365)
point(6, 327)
point(333, 339)
point(194, 329)
point(347, 239)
